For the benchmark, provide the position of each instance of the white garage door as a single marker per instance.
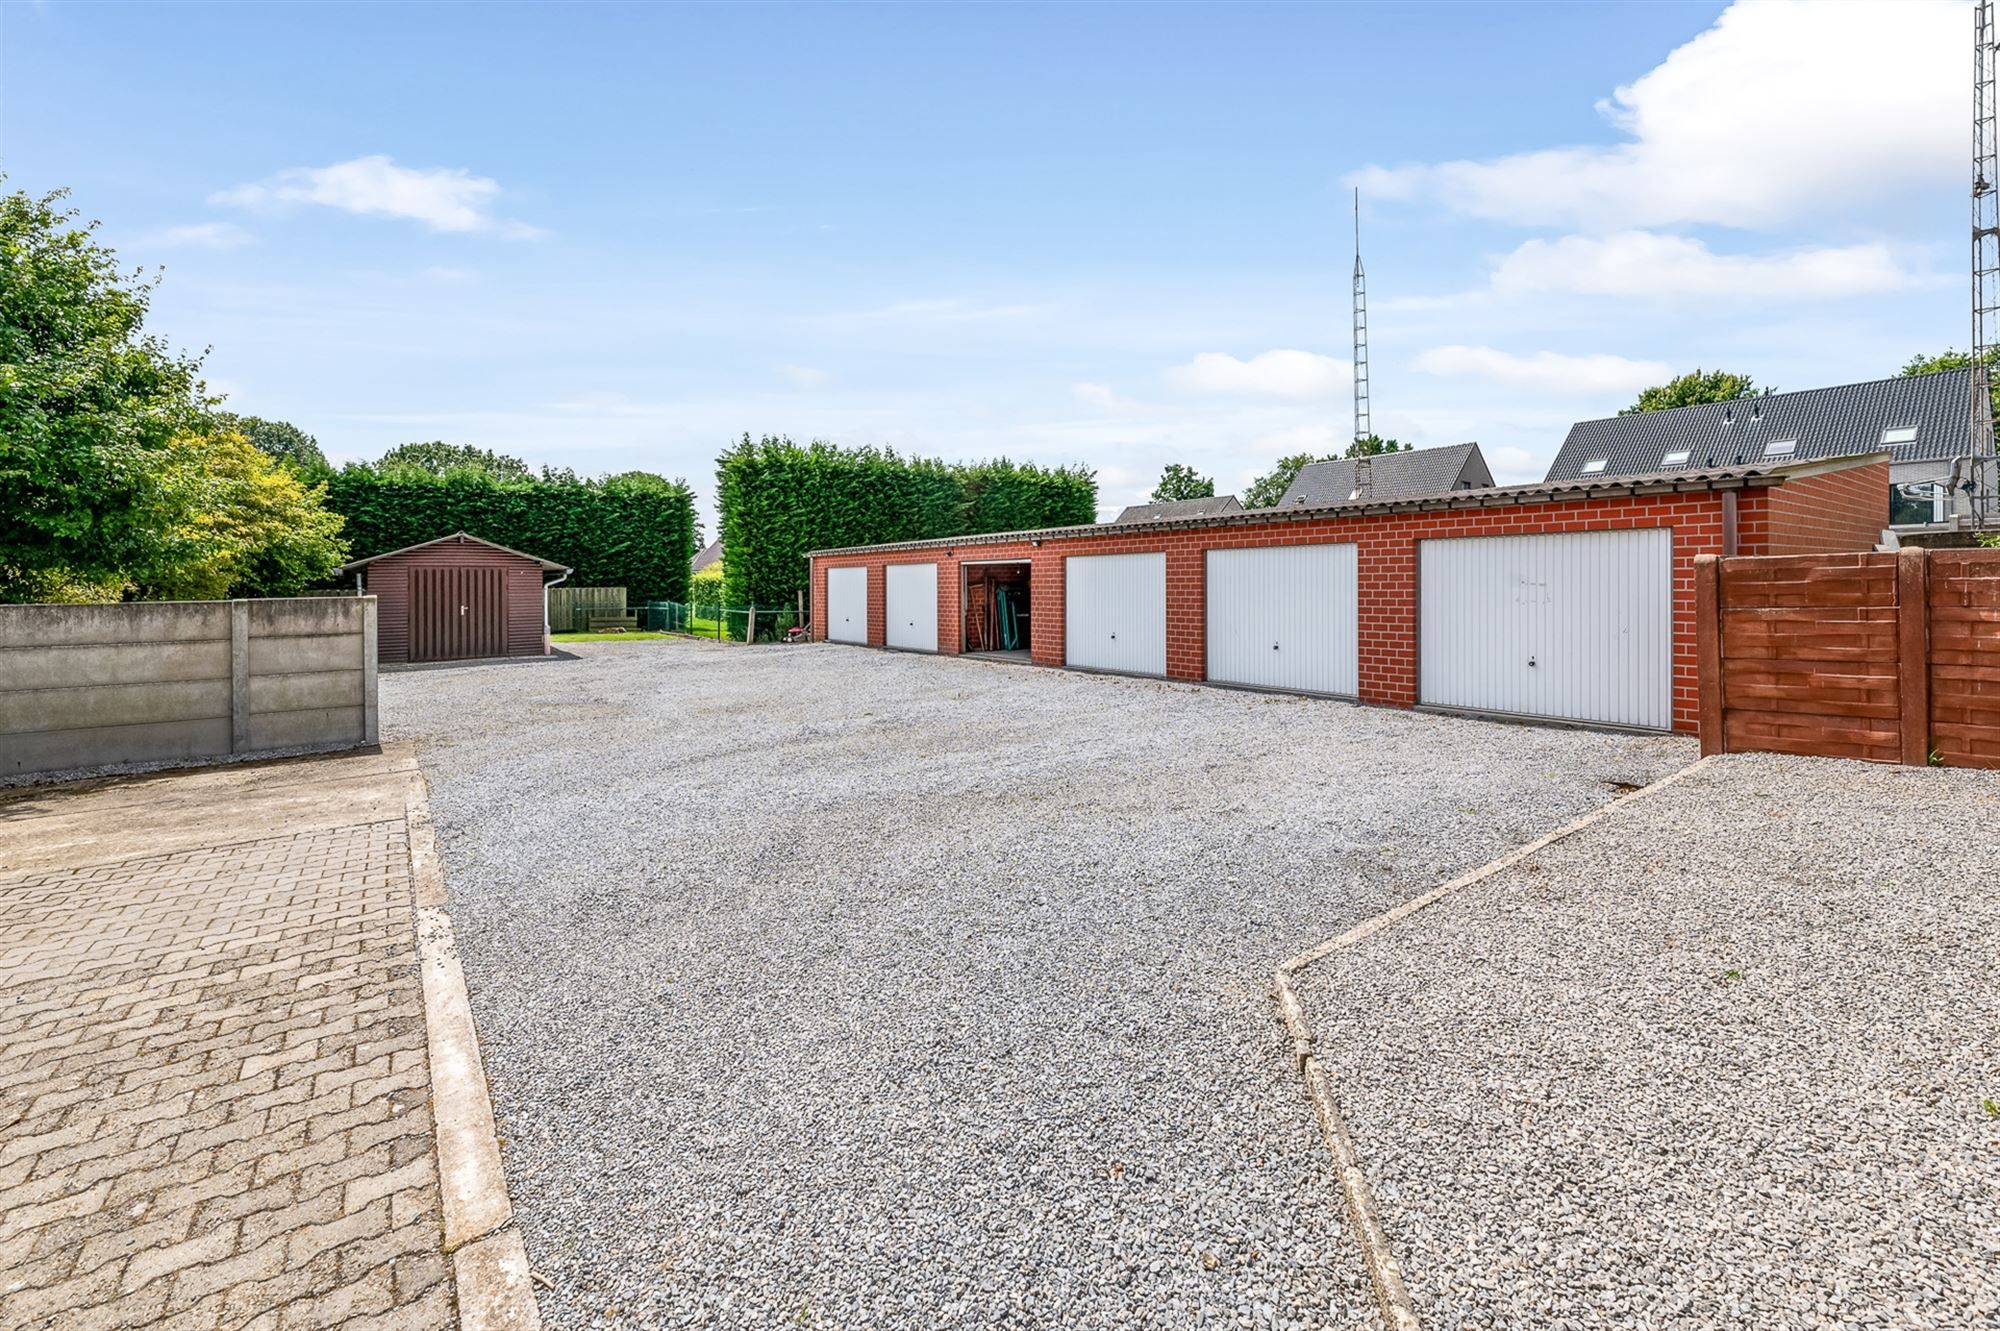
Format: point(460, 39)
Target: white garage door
point(847, 604)
point(1283, 617)
point(1115, 613)
point(912, 606)
point(1575, 627)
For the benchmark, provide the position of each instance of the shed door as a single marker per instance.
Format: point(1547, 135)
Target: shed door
point(1283, 617)
point(1115, 613)
point(912, 595)
point(847, 604)
point(457, 614)
point(1573, 627)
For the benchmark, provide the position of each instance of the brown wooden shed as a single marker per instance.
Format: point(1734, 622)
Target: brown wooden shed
point(458, 598)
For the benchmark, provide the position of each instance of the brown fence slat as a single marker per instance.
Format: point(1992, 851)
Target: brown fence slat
point(1884, 657)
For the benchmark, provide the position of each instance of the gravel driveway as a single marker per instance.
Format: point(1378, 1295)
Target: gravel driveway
point(822, 986)
point(1728, 1057)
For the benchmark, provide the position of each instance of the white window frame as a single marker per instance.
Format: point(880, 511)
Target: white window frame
point(1677, 458)
point(1782, 448)
point(1905, 434)
point(1594, 467)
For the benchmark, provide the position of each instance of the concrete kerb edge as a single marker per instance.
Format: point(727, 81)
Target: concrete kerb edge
point(1385, 1272)
point(495, 1289)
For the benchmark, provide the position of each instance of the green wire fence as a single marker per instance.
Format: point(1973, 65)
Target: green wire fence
point(720, 622)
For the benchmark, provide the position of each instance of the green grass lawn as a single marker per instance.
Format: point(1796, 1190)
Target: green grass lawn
point(640, 636)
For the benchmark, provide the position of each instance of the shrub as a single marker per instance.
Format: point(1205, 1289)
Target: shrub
point(635, 530)
point(780, 500)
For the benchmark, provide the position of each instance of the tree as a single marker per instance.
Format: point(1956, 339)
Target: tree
point(89, 408)
point(238, 522)
point(438, 457)
point(1374, 446)
point(280, 439)
point(1268, 489)
point(1179, 482)
point(1693, 387)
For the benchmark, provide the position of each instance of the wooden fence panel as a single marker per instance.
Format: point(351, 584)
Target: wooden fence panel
point(1884, 657)
point(1965, 657)
point(570, 608)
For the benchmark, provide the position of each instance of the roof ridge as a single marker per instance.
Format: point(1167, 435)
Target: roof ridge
point(1769, 396)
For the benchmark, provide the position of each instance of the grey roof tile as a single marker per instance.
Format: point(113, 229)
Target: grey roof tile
point(1179, 508)
point(1411, 475)
point(1826, 422)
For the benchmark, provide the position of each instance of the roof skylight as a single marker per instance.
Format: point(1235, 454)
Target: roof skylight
point(1595, 465)
point(1677, 458)
point(1781, 448)
point(1900, 434)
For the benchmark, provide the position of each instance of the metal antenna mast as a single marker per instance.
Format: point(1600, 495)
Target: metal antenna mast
point(1362, 426)
point(1985, 241)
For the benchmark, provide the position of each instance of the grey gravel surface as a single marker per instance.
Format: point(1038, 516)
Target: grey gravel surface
point(1728, 1057)
point(821, 986)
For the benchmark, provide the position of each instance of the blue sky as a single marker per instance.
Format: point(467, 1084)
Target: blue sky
point(1117, 235)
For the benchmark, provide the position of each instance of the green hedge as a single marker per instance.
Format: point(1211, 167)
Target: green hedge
point(779, 500)
point(634, 531)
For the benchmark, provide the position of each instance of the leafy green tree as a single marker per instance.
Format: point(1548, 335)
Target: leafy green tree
point(89, 408)
point(238, 522)
point(1693, 387)
point(1268, 489)
point(280, 439)
point(1374, 446)
point(438, 457)
point(1179, 482)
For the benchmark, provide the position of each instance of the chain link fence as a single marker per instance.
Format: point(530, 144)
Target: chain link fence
point(721, 623)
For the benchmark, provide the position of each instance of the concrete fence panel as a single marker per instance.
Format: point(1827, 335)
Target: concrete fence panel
point(89, 685)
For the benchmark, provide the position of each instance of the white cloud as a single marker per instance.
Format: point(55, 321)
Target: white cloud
point(202, 236)
point(805, 376)
point(1779, 108)
point(1545, 371)
point(442, 198)
point(1104, 398)
point(1514, 466)
point(1285, 374)
point(1645, 263)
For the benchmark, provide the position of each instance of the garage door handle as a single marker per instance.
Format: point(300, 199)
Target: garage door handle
point(1114, 637)
point(1531, 662)
point(1274, 646)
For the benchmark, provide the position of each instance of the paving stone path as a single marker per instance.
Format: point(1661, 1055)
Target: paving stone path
point(214, 1096)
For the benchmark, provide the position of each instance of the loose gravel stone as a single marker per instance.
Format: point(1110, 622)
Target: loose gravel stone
point(831, 987)
point(1728, 1057)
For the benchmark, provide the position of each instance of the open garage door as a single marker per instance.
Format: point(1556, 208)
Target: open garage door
point(1115, 613)
point(912, 595)
point(1284, 617)
point(1571, 627)
point(847, 605)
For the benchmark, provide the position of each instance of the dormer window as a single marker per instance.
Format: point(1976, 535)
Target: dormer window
point(1900, 434)
point(1677, 458)
point(1594, 466)
point(1781, 448)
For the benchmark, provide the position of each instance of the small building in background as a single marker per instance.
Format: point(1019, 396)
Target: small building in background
point(1206, 507)
point(711, 555)
point(458, 598)
point(1415, 473)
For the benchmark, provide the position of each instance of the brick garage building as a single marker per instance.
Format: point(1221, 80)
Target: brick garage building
point(1836, 504)
point(458, 598)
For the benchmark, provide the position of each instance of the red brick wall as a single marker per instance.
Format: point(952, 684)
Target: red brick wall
point(1387, 559)
point(1833, 513)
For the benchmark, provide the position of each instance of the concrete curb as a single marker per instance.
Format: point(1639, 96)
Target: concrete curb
point(1385, 1273)
point(489, 1261)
